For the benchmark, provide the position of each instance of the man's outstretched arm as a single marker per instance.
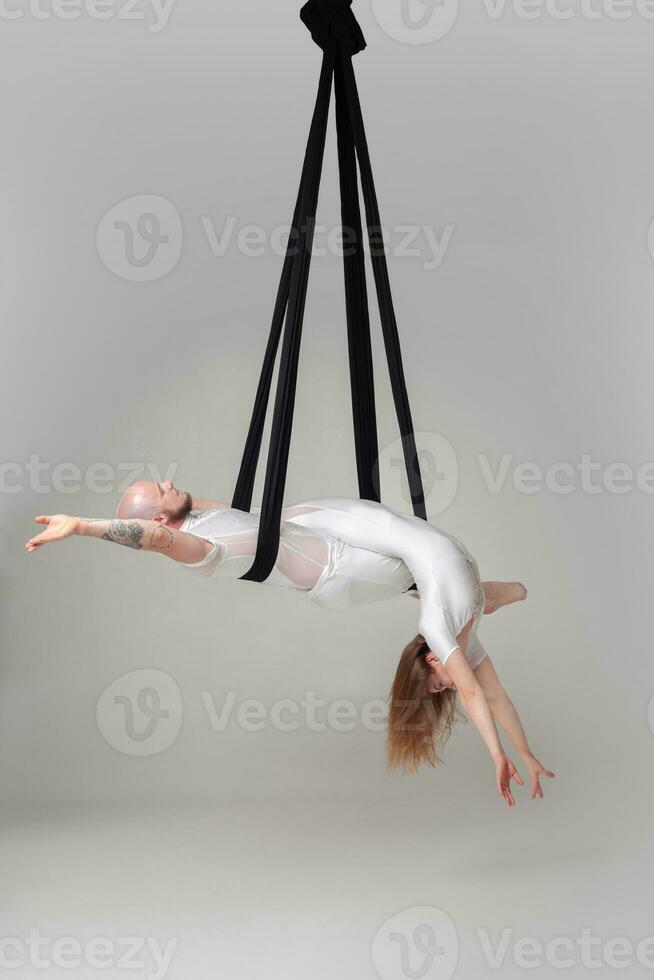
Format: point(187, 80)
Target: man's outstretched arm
point(138, 534)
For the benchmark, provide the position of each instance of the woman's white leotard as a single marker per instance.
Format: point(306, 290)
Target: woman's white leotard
point(446, 574)
point(343, 552)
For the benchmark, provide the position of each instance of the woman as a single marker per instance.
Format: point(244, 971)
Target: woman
point(446, 658)
point(341, 552)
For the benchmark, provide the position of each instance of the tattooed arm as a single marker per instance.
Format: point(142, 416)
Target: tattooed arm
point(137, 534)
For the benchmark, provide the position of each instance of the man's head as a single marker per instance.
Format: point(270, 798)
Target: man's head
point(150, 501)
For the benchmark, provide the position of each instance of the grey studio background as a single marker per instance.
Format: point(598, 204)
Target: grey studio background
point(515, 144)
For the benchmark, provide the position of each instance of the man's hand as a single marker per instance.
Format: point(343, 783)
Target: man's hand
point(505, 771)
point(535, 770)
point(59, 526)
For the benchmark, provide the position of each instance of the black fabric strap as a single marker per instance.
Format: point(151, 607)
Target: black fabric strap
point(242, 498)
point(384, 296)
point(280, 436)
point(336, 31)
point(356, 302)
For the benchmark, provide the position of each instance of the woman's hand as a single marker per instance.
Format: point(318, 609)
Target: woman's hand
point(536, 770)
point(505, 771)
point(59, 526)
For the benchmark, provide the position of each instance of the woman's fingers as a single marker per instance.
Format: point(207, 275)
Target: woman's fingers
point(518, 778)
point(536, 786)
point(505, 792)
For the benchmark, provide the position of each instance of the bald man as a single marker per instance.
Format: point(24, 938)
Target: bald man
point(149, 518)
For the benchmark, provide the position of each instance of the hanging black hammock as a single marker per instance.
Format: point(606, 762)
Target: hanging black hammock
point(335, 29)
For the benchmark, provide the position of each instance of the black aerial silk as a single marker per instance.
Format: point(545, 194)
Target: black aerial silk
point(335, 29)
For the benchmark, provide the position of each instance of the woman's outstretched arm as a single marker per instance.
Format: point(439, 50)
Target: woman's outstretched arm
point(476, 706)
point(506, 716)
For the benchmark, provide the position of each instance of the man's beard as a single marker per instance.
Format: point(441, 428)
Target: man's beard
point(184, 509)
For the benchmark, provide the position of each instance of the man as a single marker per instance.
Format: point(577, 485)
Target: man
point(149, 517)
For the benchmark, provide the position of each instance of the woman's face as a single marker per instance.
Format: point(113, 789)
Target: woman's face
point(439, 679)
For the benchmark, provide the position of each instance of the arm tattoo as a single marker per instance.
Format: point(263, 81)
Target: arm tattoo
point(164, 535)
point(125, 532)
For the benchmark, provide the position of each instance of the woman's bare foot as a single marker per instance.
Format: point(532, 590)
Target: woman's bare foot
point(500, 594)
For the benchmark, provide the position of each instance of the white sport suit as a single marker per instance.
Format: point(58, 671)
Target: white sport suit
point(342, 552)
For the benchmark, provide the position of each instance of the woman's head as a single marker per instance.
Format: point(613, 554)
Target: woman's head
point(422, 708)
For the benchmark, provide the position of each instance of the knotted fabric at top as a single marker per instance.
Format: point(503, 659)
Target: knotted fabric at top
point(333, 19)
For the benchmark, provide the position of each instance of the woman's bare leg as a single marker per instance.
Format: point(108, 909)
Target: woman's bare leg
point(500, 594)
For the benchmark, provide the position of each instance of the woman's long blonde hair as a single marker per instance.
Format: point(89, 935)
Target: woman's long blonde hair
point(419, 723)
